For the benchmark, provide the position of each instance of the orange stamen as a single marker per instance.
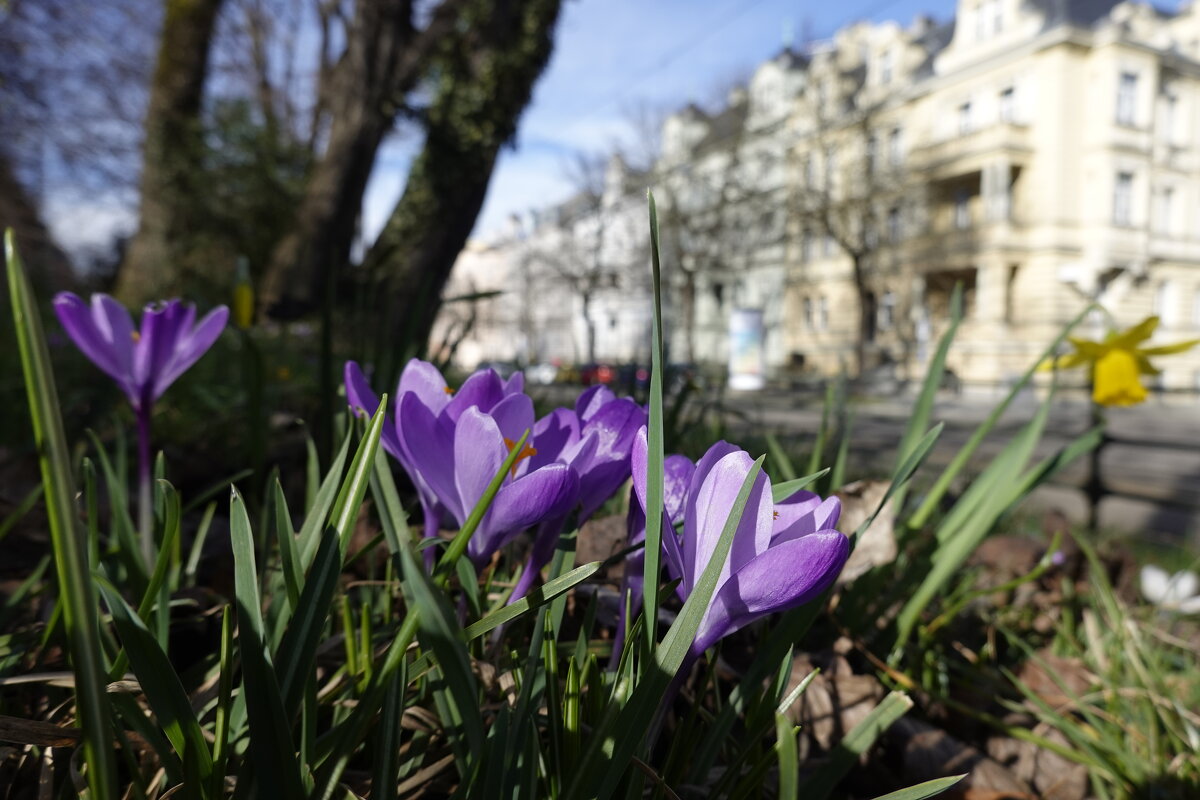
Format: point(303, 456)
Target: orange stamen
point(137, 337)
point(526, 452)
point(447, 390)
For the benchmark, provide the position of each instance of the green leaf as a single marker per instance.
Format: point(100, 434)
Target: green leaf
point(655, 449)
point(273, 758)
point(289, 562)
point(163, 691)
point(923, 408)
point(855, 743)
point(438, 631)
point(614, 741)
point(923, 790)
point(67, 542)
point(789, 759)
point(354, 488)
point(942, 484)
point(317, 513)
point(782, 491)
point(298, 649)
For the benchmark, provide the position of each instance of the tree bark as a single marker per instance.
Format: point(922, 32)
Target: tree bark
point(171, 150)
point(385, 57)
point(486, 77)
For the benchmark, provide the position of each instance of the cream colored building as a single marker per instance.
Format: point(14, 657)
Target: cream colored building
point(1043, 155)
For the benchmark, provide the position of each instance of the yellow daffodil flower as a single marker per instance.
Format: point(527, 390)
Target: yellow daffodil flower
point(1118, 362)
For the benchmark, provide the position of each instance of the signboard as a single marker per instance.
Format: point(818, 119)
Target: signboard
point(747, 364)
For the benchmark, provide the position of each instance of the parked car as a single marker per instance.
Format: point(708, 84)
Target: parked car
point(594, 373)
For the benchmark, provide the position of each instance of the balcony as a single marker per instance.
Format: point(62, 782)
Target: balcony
point(970, 151)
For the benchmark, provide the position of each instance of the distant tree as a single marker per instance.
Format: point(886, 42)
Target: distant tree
point(172, 150)
point(481, 79)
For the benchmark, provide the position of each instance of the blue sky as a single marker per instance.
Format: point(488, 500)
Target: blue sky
point(613, 55)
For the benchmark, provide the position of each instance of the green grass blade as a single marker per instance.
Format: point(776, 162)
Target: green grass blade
point(273, 758)
point(387, 500)
point(298, 650)
point(289, 561)
point(779, 458)
point(130, 549)
point(923, 408)
point(163, 690)
point(309, 537)
point(782, 491)
point(855, 743)
point(68, 543)
point(604, 763)
point(971, 519)
point(789, 759)
point(438, 630)
point(654, 439)
point(942, 484)
point(923, 790)
point(28, 502)
point(224, 704)
point(354, 488)
point(197, 550)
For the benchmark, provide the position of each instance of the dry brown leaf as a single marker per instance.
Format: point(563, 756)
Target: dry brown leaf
point(31, 731)
point(877, 545)
point(930, 752)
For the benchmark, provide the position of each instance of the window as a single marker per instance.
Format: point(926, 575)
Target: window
point(995, 16)
point(1166, 305)
point(893, 224)
point(806, 247)
point(822, 313)
point(962, 209)
point(808, 313)
point(1007, 105)
point(885, 67)
point(1127, 98)
point(1165, 211)
point(810, 180)
point(827, 245)
point(964, 117)
point(1123, 199)
point(895, 147)
point(718, 290)
point(1170, 112)
point(830, 167)
point(872, 151)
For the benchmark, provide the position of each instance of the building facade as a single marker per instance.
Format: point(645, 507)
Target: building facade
point(1041, 155)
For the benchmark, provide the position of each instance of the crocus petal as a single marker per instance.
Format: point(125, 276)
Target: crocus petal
point(677, 475)
point(113, 321)
point(616, 422)
point(515, 383)
point(481, 390)
point(714, 502)
point(552, 435)
point(514, 416)
point(592, 400)
point(78, 321)
point(479, 452)
point(714, 454)
point(673, 553)
point(162, 327)
point(428, 449)
point(600, 483)
point(426, 382)
point(806, 515)
point(363, 402)
point(522, 503)
point(783, 577)
point(194, 344)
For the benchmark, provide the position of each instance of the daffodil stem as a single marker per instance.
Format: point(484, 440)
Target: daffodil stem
point(1095, 488)
point(145, 488)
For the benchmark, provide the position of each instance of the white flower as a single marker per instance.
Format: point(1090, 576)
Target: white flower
point(1178, 592)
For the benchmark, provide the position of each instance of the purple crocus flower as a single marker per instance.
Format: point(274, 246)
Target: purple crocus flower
point(143, 362)
point(483, 389)
point(594, 440)
point(783, 554)
point(677, 477)
point(452, 445)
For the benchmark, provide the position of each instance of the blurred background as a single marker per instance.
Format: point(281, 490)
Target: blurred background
point(465, 180)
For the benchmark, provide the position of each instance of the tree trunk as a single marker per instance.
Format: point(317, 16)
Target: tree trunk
point(486, 79)
point(385, 57)
point(171, 151)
